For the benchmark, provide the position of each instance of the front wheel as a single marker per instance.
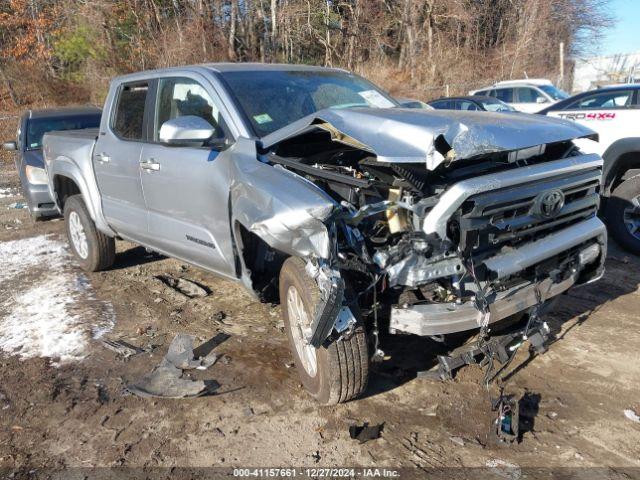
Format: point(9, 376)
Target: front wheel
point(333, 373)
point(93, 249)
point(622, 214)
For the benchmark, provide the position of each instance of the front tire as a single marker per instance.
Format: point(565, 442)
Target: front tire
point(335, 372)
point(93, 249)
point(622, 214)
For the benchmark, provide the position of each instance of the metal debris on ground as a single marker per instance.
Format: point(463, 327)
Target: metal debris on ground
point(631, 415)
point(17, 205)
point(167, 381)
point(188, 288)
point(121, 347)
point(365, 432)
point(505, 427)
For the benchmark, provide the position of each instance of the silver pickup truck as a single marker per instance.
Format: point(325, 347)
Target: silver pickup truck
point(313, 186)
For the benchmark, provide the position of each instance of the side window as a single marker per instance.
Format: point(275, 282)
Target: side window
point(482, 93)
point(528, 95)
point(504, 94)
point(442, 105)
point(129, 115)
point(466, 105)
point(615, 99)
point(178, 97)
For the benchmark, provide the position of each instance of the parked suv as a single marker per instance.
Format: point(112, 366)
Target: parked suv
point(308, 185)
point(33, 124)
point(471, 103)
point(613, 112)
point(529, 95)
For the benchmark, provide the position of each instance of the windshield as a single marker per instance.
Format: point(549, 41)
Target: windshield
point(37, 127)
point(275, 99)
point(495, 105)
point(554, 92)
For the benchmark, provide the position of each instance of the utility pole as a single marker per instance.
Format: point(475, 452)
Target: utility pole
point(561, 79)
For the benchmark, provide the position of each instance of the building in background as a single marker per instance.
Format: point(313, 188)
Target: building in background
point(593, 72)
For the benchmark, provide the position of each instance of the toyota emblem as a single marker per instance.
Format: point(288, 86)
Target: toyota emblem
point(548, 204)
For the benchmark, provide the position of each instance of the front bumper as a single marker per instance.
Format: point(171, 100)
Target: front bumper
point(442, 318)
point(39, 200)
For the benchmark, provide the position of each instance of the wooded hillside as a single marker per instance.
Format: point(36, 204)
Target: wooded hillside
point(60, 51)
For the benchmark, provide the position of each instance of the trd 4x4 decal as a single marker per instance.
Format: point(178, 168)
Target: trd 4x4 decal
point(589, 116)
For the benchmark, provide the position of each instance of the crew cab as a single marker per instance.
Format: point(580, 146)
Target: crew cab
point(614, 113)
point(312, 186)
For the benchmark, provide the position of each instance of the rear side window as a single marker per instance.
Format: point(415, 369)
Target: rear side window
point(129, 116)
point(615, 99)
point(504, 94)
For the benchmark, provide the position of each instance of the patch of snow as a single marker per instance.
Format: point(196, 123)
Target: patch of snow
point(46, 308)
point(19, 256)
point(6, 193)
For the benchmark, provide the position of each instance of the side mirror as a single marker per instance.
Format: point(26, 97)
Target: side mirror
point(541, 100)
point(187, 130)
point(9, 146)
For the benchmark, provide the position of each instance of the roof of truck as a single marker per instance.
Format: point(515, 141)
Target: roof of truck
point(63, 111)
point(255, 66)
point(226, 67)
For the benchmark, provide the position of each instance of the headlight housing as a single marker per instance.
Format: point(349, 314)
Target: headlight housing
point(36, 175)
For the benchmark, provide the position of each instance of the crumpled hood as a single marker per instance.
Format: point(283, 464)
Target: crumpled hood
point(402, 135)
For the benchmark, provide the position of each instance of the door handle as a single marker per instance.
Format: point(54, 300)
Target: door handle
point(150, 164)
point(103, 158)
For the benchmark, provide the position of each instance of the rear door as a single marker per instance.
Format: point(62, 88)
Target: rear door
point(116, 159)
point(186, 188)
point(506, 94)
point(529, 99)
point(613, 114)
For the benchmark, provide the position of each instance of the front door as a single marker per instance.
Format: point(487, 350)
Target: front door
point(116, 160)
point(186, 188)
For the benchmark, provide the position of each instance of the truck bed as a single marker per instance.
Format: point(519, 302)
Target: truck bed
point(76, 145)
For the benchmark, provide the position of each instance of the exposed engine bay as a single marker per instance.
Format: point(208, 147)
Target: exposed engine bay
point(454, 248)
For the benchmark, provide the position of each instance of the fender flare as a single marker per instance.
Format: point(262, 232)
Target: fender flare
point(618, 158)
point(65, 167)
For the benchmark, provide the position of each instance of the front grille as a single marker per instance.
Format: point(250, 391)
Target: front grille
point(487, 221)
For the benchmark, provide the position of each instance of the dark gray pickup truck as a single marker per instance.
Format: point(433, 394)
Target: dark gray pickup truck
point(32, 126)
point(312, 184)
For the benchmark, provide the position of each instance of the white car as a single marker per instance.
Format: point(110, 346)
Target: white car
point(614, 113)
point(529, 95)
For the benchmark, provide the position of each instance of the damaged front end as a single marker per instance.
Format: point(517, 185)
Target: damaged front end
point(440, 224)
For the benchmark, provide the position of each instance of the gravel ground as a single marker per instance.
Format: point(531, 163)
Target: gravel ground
point(63, 406)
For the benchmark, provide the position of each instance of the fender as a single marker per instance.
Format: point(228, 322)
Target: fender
point(285, 210)
point(618, 158)
point(86, 182)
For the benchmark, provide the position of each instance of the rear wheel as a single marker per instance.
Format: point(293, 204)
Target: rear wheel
point(335, 372)
point(622, 214)
point(93, 249)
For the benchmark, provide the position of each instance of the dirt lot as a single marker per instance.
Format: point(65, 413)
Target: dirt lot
point(63, 404)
